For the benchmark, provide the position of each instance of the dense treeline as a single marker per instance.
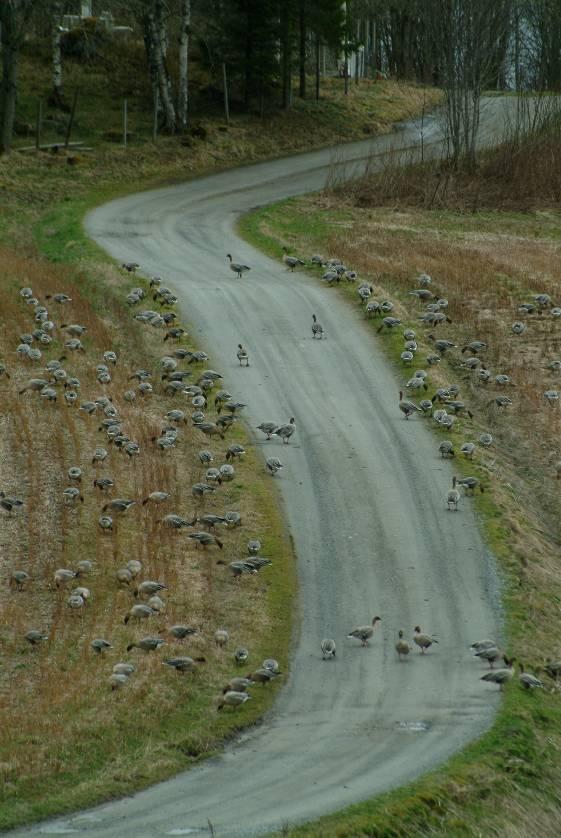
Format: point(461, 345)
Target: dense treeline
point(271, 50)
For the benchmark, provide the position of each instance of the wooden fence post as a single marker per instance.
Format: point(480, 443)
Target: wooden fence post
point(71, 120)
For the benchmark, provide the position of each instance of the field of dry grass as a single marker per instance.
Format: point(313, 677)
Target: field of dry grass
point(67, 738)
point(486, 265)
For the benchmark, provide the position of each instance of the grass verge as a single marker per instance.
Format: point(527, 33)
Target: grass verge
point(486, 265)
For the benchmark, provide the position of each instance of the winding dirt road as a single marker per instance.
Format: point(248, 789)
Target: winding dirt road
point(364, 494)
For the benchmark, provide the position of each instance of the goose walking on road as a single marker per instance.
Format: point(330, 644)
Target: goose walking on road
point(242, 355)
point(317, 328)
point(237, 267)
point(453, 497)
point(402, 647)
point(423, 641)
point(364, 633)
point(328, 648)
point(286, 431)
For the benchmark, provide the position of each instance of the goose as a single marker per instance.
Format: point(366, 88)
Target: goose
point(237, 267)
point(470, 484)
point(331, 276)
point(446, 448)
point(117, 680)
point(273, 464)
point(134, 566)
point(64, 575)
point(237, 684)
point(483, 644)
point(433, 359)
point(156, 497)
point(70, 397)
point(130, 267)
point(268, 428)
point(272, 665)
point(157, 604)
point(103, 483)
point(75, 601)
point(211, 520)
point(373, 308)
point(402, 646)
point(88, 407)
point(489, 654)
point(180, 632)
point(233, 698)
point(239, 568)
point(234, 451)
point(199, 490)
point(147, 644)
point(471, 363)
point(175, 334)
point(468, 449)
point(407, 357)
point(241, 655)
point(527, 680)
point(502, 379)
point(8, 504)
point(100, 645)
point(426, 406)
point(139, 612)
point(34, 637)
point(453, 497)
point(19, 578)
point(99, 455)
point(264, 675)
point(176, 522)
point(518, 328)
point(389, 322)
point(253, 546)
point(485, 439)
point(212, 475)
point(364, 292)
point(148, 588)
point(221, 637)
point(184, 664)
point(407, 407)
point(552, 397)
point(205, 539)
point(422, 294)
point(328, 648)
point(233, 519)
point(500, 676)
point(553, 668)
point(71, 494)
point(227, 472)
point(118, 505)
point(233, 407)
point(122, 668)
point(441, 344)
point(242, 355)
point(124, 576)
point(364, 633)
point(132, 449)
point(475, 346)
point(286, 431)
point(291, 262)
point(502, 401)
point(543, 300)
point(35, 385)
point(316, 259)
point(424, 279)
point(423, 641)
point(257, 562)
point(211, 429)
point(317, 328)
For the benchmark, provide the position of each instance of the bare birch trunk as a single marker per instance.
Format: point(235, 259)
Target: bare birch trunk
point(184, 29)
point(57, 94)
point(155, 50)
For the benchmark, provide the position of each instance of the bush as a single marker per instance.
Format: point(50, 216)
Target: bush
point(85, 41)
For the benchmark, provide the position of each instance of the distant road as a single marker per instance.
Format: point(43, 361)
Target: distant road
point(364, 496)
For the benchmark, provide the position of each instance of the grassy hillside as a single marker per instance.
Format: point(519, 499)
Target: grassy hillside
point(486, 264)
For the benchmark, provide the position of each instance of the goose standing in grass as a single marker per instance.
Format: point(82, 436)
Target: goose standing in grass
point(291, 262)
point(423, 641)
point(500, 676)
point(147, 644)
point(233, 698)
point(470, 484)
point(180, 632)
point(453, 497)
point(139, 612)
point(221, 637)
point(34, 637)
point(317, 328)
point(100, 645)
point(402, 647)
point(364, 633)
point(242, 355)
point(328, 648)
point(527, 680)
point(237, 267)
point(553, 668)
point(156, 497)
point(118, 680)
point(184, 664)
point(19, 578)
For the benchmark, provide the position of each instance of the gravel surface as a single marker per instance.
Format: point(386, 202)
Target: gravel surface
point(364, 493)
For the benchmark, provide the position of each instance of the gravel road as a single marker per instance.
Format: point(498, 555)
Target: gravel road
point(364, 497)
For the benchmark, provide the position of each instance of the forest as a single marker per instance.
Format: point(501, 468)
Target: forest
point(266, 52)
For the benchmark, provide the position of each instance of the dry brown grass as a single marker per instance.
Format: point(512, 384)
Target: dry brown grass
point(70, 739)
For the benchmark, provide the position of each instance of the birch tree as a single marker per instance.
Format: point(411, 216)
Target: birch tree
point(184, 32)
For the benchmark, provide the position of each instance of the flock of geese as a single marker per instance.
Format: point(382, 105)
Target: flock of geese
point(57, 383)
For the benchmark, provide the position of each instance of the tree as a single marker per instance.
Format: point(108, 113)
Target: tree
point(14, 17)
point(184, 31)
